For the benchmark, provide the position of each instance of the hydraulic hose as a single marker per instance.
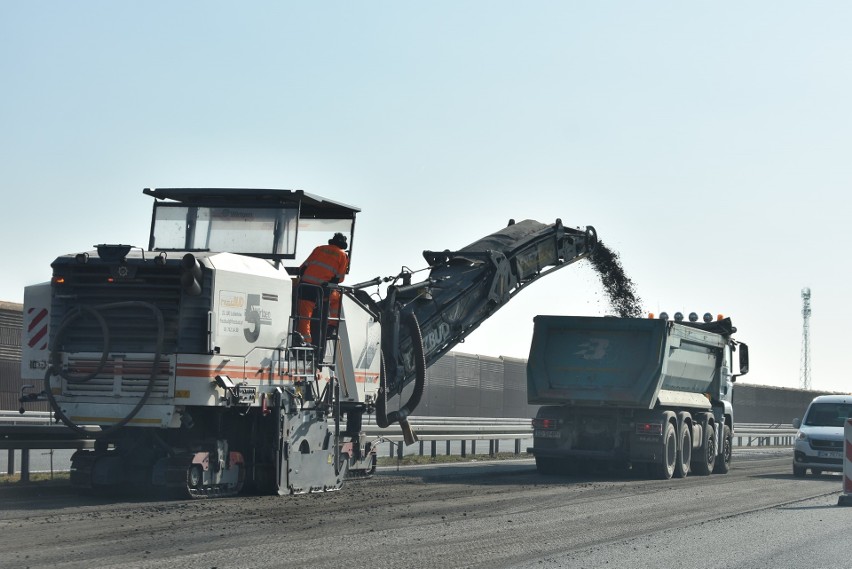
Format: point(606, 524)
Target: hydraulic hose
point(385, 419)
point(382, 398)
point(55, 367)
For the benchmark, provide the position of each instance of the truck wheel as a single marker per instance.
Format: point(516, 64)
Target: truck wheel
point(705, 460)
point(665, 468)
point(723, 461)
point(684, 452)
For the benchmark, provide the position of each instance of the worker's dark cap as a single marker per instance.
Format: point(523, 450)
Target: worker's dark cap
point(339, 239)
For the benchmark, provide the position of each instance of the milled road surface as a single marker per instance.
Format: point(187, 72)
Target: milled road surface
point(487, 515)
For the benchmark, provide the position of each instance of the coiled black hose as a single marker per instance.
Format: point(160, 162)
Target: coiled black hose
point(55, 367)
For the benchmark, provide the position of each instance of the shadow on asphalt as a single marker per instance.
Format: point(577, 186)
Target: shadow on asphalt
point(503, 473)
point(810, 508)
point(824, 476)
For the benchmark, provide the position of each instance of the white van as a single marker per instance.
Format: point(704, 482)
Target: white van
point(819, 443)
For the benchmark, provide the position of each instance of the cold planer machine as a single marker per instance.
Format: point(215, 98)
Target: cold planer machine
point(184, 353)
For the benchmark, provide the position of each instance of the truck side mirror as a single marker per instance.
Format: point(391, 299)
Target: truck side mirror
point(743, 350)
point(797, 423)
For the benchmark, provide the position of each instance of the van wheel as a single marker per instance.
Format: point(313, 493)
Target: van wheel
point(799, 472)
point(723, 462)
point(684, 452)
point(816, 471)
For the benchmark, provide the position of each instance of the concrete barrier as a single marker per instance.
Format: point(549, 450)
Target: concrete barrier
point(846, 498)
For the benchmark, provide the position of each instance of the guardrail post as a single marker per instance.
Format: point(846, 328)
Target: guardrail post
point(517, 446)
point(473, 447)
point(11, 462)
point(421, 448)
point(464, 448)
point(25, 465)
point(448, 447)
point(399, 450)
point(434, 449)
point(491, 447)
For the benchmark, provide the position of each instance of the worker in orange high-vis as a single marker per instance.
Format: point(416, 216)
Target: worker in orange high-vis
point(325, 264)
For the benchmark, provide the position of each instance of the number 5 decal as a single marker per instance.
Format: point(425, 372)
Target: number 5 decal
point(252, 317)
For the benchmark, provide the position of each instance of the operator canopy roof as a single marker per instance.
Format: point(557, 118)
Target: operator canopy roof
point(311, 205)
point(268, 223)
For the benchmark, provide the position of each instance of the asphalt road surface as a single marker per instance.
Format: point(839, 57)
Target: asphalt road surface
point(488, 515)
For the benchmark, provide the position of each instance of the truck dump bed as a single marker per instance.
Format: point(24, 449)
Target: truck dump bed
point(624, 362)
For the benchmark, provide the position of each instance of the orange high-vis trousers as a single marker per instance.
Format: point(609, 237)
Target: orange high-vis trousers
point(306, 310)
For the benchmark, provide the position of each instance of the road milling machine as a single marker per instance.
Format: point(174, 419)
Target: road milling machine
point(184, 356)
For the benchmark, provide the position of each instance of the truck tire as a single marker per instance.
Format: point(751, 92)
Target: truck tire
point(665, 467)
point(684, 452)
point(705, 459)
point(723, 461)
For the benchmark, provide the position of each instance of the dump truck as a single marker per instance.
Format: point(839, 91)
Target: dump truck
point(184, 354)
point(651, 394)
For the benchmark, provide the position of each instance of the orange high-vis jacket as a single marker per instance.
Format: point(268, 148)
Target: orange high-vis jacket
point(324, 264)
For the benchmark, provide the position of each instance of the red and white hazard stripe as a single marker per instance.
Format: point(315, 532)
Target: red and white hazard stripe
point(37, 328)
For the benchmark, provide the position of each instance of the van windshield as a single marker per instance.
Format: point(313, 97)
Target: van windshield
point(828, 414)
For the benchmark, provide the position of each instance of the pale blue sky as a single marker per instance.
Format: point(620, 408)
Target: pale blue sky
point(708, 142)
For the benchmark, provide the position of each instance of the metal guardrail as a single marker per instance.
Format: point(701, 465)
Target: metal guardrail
point(761, 434)
point(434, 429)
point(36, 430)
point(469, 428)
point(28, 418)
point(455, 429)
